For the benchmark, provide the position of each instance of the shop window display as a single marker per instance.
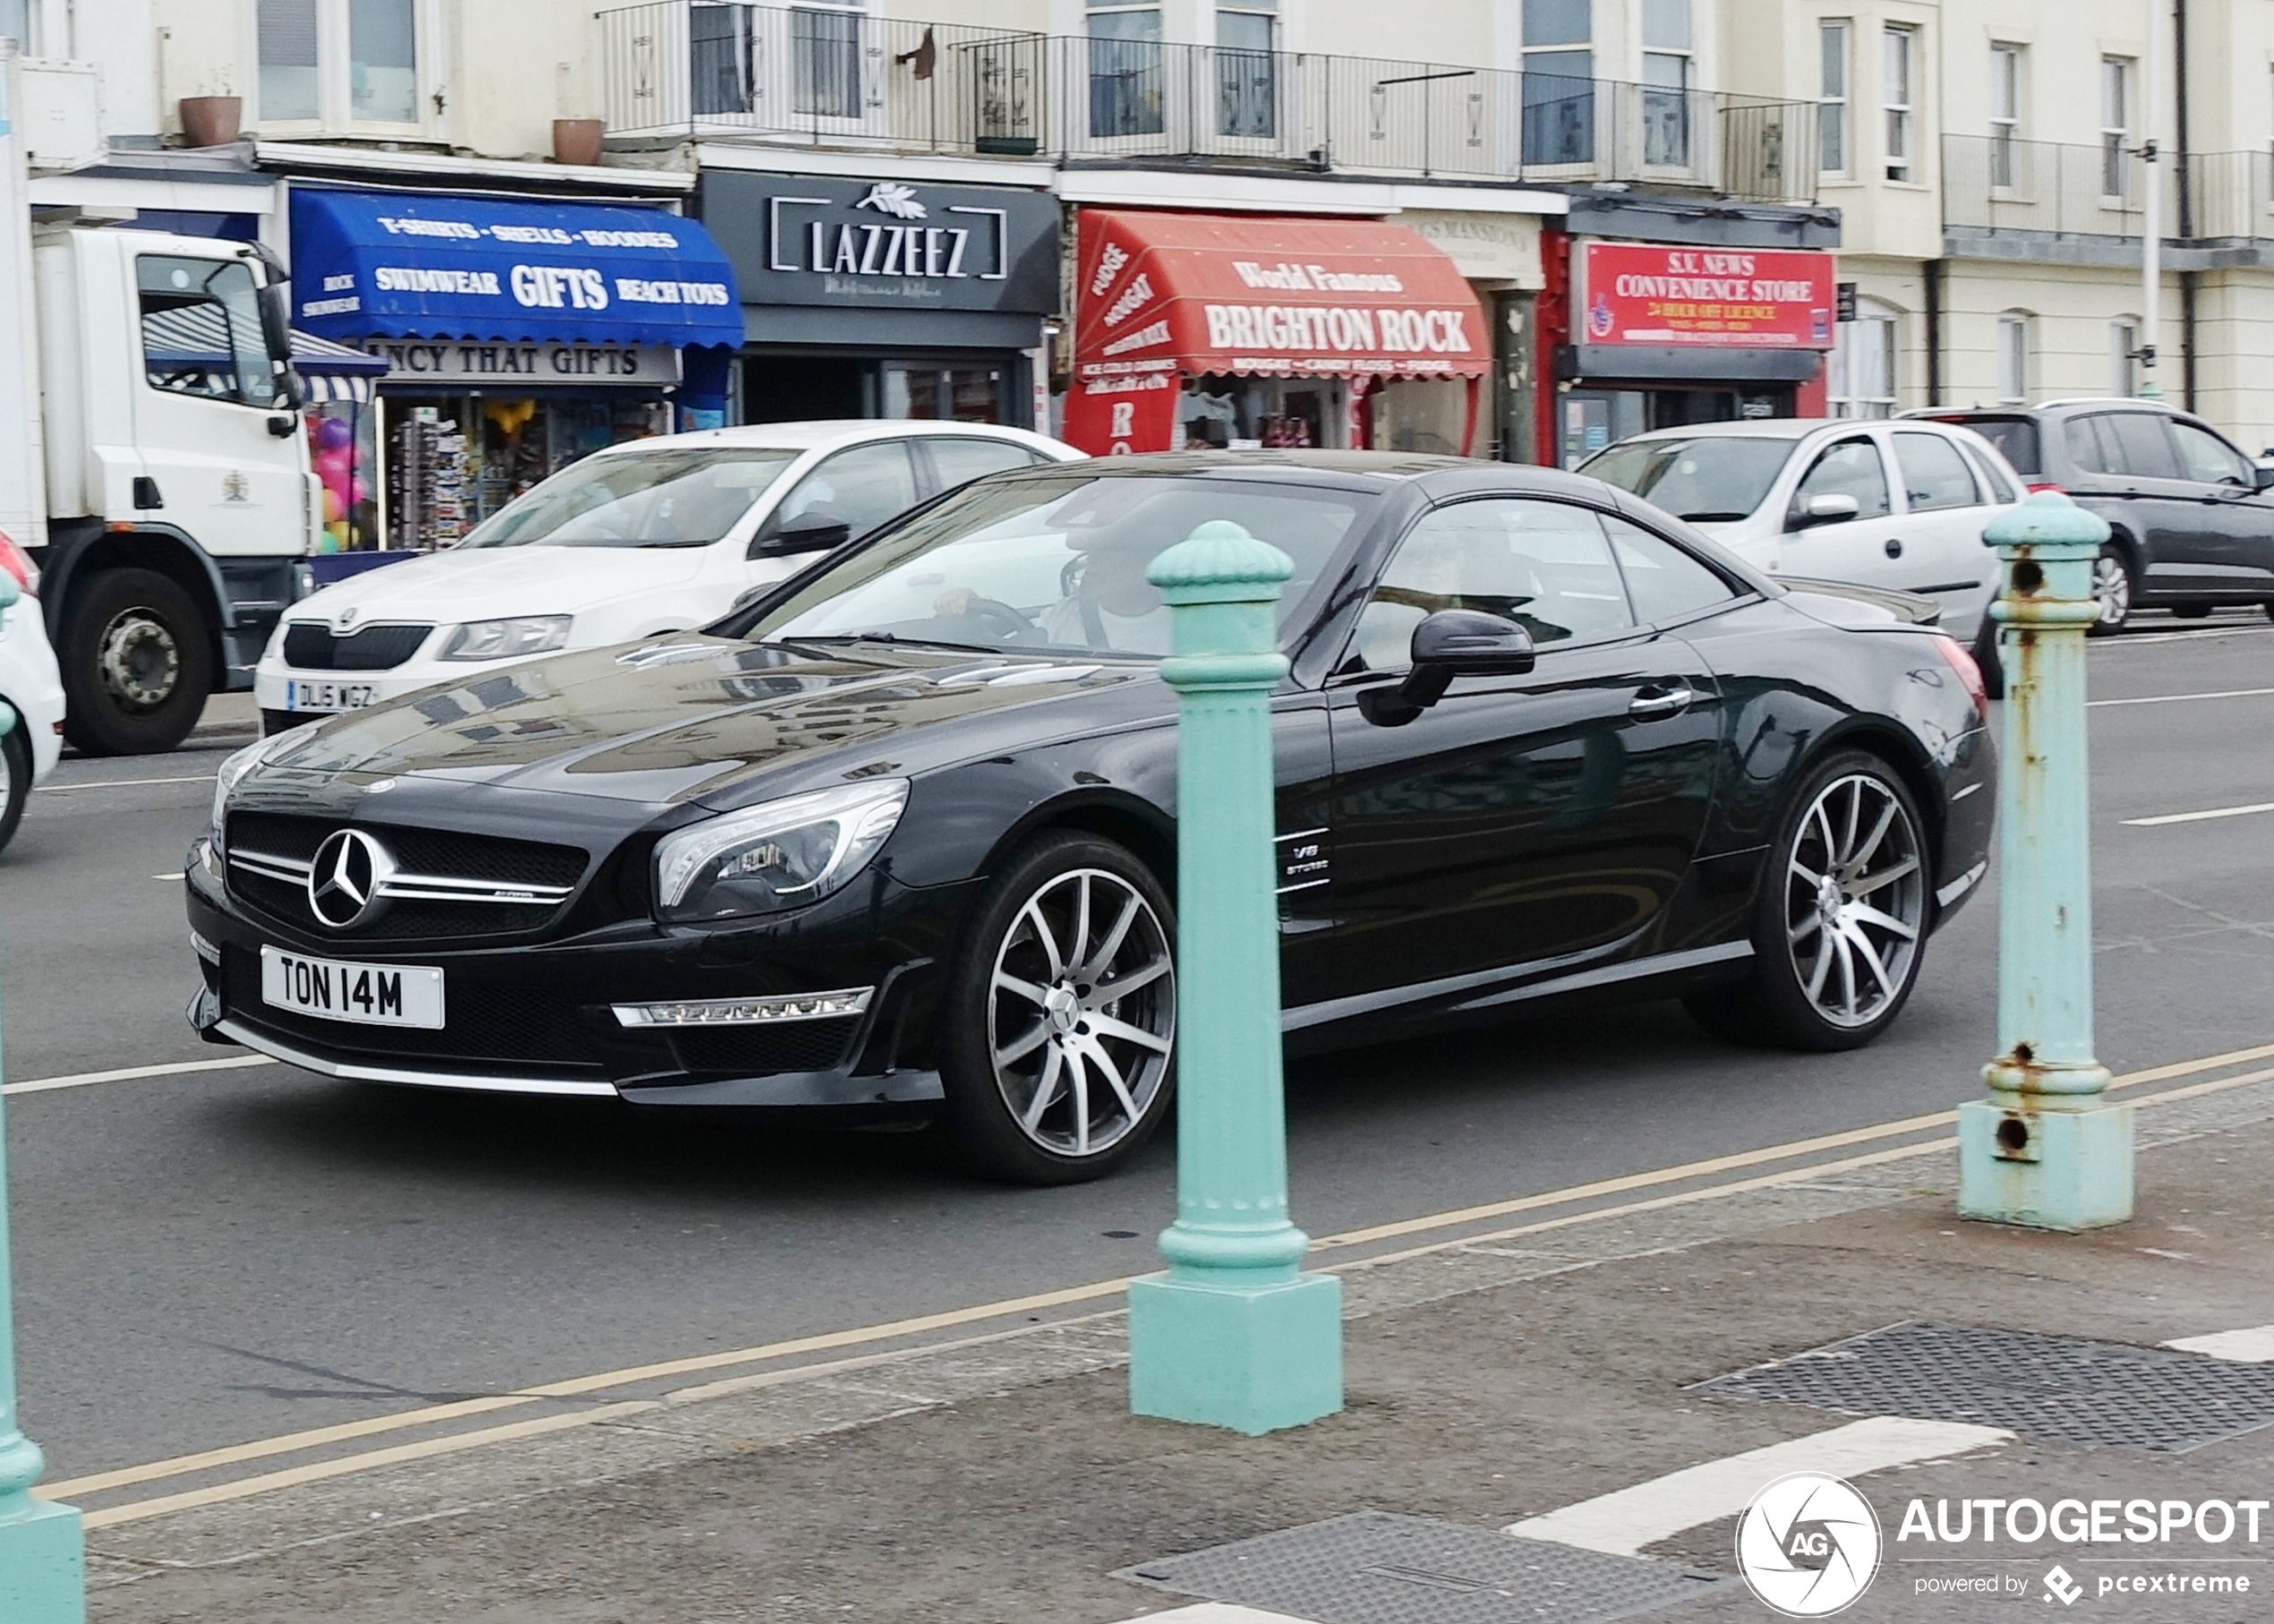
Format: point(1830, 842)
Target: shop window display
point(343, 450)
point(455, 460)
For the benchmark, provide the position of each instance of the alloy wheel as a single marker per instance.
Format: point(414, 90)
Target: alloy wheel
point(2112, 588)
point(1855, 899)
point(138, 660)
point(1081, 1013)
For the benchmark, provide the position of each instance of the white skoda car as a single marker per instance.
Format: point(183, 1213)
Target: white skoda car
point(650, 536)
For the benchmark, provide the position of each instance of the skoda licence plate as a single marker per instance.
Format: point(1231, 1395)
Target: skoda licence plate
point(373, 994)
point(327, 696)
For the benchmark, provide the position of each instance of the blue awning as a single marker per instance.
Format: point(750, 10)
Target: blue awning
point(396, 265)
point(334, 372)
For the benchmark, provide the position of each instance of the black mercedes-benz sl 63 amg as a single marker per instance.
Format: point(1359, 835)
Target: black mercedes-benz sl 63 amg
point(897, 838)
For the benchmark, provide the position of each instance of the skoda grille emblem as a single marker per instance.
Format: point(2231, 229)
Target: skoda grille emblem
point(345, 879)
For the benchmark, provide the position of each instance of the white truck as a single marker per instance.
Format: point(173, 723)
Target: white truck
point(152, 459)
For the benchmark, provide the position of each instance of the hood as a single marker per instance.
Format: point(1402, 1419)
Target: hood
point(687, 717)
point(485, 583)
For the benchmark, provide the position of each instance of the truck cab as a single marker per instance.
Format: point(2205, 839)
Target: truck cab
point(178, 495)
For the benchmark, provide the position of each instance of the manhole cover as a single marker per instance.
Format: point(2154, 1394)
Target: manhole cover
point(2062, 1387)
point(1375, 1568)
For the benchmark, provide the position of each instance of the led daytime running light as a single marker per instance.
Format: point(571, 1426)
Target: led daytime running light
point(748, 1011)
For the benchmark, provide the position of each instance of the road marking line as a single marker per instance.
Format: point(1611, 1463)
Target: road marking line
point(120, 783)
point(79, 1080)
point(2252, 1346)
point(177, 873)
point(293, 1477)
point(294, 1442)
point(2197, 817)
point(1217, 1613)
point(1621, 1523)
point(2229, 693)
point(2149, 639)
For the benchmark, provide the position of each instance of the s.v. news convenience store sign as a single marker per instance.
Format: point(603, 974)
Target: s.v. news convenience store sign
point(1630, 292)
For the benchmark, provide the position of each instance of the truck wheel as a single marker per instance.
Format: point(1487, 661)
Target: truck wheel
point(137, 664)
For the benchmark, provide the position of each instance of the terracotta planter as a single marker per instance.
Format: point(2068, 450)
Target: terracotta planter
point(210, 121)
point(576, 141)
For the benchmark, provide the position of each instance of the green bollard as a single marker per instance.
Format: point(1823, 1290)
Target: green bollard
point(43, 1560)
point(2046, 1149)
point(1233, 1334)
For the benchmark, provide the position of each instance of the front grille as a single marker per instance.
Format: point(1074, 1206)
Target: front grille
point(752, 1051)
point(312, 647)
point(426, 851)
point(486, 1023)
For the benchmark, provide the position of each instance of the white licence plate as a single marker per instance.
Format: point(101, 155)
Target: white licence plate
point(374, 995)
point(327, 696)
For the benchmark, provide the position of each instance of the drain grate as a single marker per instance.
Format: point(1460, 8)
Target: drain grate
point(1375, 1568)
point(2063, 1388)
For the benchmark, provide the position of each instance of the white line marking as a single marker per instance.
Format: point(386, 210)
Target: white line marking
point(120, 783)
point(2225, 693)
point(2137, 640)
point(41, 1085)
point(2197, 817)
point(1621, 1524)
point(1217, 1613)
point(177, 873)
point(2252, 1346)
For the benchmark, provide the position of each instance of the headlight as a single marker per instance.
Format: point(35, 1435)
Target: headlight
point(782, 854)
point(507, 640)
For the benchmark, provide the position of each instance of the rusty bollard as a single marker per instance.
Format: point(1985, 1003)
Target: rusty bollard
point(2047, 1149)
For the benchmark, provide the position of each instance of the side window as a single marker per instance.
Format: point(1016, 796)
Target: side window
point(958, 462)
point(1547, 566)
point(2087, 448)
point(863, 485)
point(1663, 581)
point(201, 332)
point(2209, 458)
point(2000, 488)
point(1850, 468)
point(1934, 474)
point(2142, 449)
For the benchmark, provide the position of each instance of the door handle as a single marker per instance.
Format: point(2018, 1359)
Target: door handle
point(1895, 548)
point(1662, 702)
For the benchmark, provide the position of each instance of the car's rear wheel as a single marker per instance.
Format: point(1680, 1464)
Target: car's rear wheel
point(1841, 916)
point(15, 778)
point(2114, 588)
point(1058, 1031)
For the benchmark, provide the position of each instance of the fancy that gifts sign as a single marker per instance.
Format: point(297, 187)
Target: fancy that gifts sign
point(1632, 293)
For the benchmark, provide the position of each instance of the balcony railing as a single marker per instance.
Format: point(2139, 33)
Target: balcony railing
point(2230, 195)
point(1995, 183)
point(828, 76)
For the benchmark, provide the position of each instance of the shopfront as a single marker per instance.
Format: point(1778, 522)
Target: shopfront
point(886, 299)
point(1653, 336)
point(1215, 331)
point(517, 336)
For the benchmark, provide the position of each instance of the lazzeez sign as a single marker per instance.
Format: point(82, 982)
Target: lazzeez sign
point(1633, 293)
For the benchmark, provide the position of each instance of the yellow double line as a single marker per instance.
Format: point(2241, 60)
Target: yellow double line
point(1462, 1219)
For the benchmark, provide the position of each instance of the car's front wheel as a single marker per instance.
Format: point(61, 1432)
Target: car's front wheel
point(2112, 589)
point(1058, 1031)
point(1841, 916)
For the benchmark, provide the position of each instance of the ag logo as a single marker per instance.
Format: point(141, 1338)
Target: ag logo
point(1807, 1545)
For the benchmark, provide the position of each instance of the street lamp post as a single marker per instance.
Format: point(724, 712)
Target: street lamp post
point(2046, 1149)
point(1235, 1335)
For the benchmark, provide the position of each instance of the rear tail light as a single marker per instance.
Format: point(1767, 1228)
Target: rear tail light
point(18, 563)
point(2037, 485)
point(1969, 671)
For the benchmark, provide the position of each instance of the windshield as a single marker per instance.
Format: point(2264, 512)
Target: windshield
point(1054, 564)
point(1712, 478)
point(686, 498)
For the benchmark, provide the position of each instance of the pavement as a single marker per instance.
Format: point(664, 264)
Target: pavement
point(1543, 1375)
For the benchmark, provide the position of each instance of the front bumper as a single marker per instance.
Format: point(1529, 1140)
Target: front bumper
point(541, 1018)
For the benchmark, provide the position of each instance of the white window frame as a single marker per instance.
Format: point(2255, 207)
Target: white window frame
point(2014, 357)
point(335, 96)
point(2124, 356)
point(2007, 65)
point(1834, 102)
point(1898, 101)
point(2119, 95)
point(1845, 397)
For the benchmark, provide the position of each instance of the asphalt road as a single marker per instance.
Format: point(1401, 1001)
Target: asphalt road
point(210, 1257)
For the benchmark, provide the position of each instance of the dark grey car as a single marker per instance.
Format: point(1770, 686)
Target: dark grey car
point(2191, 521)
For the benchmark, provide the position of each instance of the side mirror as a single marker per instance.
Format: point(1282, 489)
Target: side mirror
point(1824, 510)
point(2262, 478)
point(1451, 643)
point(806, 533)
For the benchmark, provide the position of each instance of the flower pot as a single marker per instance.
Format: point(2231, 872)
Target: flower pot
point(576, 141)
point(210, 121)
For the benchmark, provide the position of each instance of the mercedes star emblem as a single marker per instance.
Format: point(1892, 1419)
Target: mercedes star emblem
point(344, 880)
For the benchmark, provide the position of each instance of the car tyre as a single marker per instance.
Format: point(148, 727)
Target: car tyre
point(1841, 921)
point(2117, 588)
point(15, 768)
point(1058, 1023)
point(137, 664)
